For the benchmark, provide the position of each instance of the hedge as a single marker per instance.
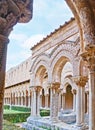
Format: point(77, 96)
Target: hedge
point(16, 117)
point(44, 112)
point(6, 106)
point(18, 108)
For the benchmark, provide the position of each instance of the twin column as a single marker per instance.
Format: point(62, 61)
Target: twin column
point(80, 104)
point(35, 108)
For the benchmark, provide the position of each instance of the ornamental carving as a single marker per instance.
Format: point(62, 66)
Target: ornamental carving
point(89, 57)
point(80, 80)
point(13, 11)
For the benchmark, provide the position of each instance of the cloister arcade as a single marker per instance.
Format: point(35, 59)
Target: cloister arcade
point(51, 78)
point(84, 12)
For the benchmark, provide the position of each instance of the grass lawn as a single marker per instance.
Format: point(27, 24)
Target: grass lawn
point(10, 126)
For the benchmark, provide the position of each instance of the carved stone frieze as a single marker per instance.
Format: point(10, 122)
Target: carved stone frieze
point(80, 80)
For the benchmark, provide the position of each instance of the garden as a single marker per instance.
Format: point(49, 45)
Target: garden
point(16, 115)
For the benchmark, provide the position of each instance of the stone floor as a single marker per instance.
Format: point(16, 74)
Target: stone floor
point(64, 122)
point(45, 124)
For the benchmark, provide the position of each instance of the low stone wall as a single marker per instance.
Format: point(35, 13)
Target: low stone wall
point(67, 116)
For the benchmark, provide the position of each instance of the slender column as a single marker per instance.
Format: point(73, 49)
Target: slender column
point(89, 56)
point(7, 20)
point(63, 101)
point(33, 108)
point(34, 102)
point(54, 102)
point(92, 96)
point(83, 103)
point(32, 97)
point(11, 99)
point(28, 100)
point(25, 100)
point(59, 101)
point(38, 104)
point(74, 100)
point(3, 51)
point(46, 100)
point(16, 101)
point(38, 100)
point(80, 107)
point(87, 102)
point(21, 100)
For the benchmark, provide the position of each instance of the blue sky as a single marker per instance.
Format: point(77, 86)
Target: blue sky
point(47, 16)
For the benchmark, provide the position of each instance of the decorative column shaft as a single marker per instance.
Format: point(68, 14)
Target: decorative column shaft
point(87, 101)
point(54, 102)
point(3, 51)
point(59, 101)
point(25, 99)
point(11, 12)
point(32, 96)
point(28, 100)
point(63, 101)
point(21, 100)
point(46, 100)
point(38, 100)
point(80, 107)
point(89, 57)
point(34, 101)
point(74, 100)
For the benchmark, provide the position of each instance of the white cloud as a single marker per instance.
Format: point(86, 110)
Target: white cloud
point(18, 37)
point(39, 6)
point(17, 58)
point(25, 52)
point(47, 15)
point(32, 41)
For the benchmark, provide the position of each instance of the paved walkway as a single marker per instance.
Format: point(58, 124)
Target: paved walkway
point(19, 124)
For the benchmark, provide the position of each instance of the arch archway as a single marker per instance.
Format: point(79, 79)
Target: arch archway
point(69, 98)
point(84, 13)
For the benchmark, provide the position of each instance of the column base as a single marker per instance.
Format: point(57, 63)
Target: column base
point(31, 122)
point(81, 127)
point(54, 120)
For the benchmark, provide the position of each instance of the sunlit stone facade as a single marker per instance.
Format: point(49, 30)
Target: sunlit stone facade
point(54, 77)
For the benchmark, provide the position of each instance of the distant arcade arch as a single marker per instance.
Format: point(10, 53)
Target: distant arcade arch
point(68, 98)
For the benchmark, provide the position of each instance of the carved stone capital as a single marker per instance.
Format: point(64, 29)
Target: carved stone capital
point(74, 91)
point(89, 57)
point(87, 92)
point(80, 80)
point(55, 85)
point(38, 88)
point(64, 94)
